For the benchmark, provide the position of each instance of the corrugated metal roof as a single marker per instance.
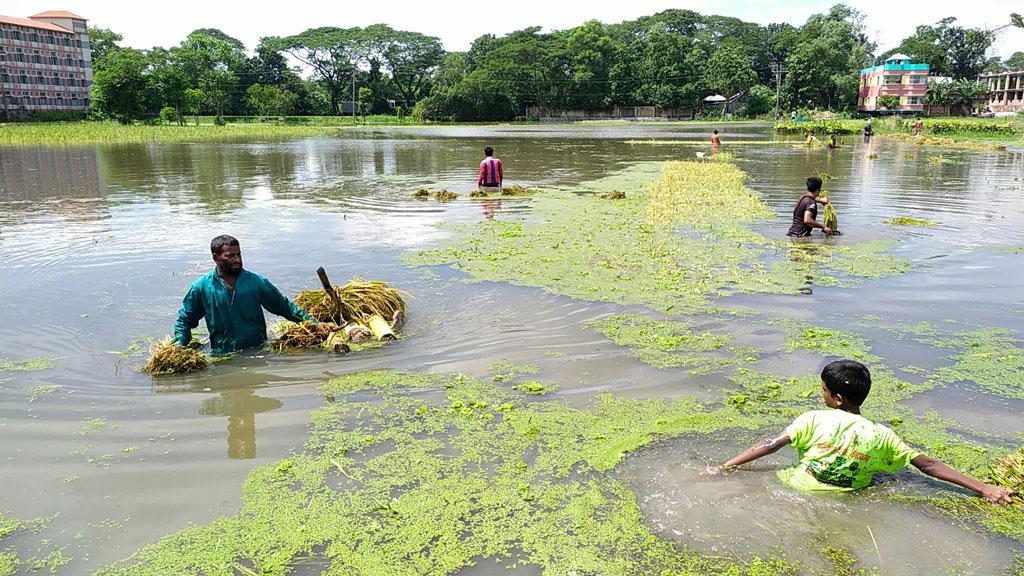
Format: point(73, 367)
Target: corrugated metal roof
point(897, 57)
point(32, 24)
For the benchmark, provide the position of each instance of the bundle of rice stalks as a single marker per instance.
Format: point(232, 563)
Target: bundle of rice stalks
point(421, 193)
point(613, 195)
point(723, 156)
point(831, 220)
point(1008, 472)
point(299, 337)
point(318, 305)
point(445, 195)
point(908, 221)
point(825, 176)
point(360, 300)
point(166, 357)
point(478, 194)
point(515, 190)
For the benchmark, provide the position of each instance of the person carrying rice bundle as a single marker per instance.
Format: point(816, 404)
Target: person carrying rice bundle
point(806, 212)
point(231, 300)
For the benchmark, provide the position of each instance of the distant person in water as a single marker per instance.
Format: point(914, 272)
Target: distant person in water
point(715, 141)
point(806, 212)
point(918, 125)
point(840, 450)
point(491, 172)
point(832, 144)
point(232, 300)
point(811, 138)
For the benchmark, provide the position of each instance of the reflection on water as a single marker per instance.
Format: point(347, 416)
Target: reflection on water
point(241, 407)
point(99, 244)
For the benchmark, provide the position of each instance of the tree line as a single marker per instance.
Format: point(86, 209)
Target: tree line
point(672, 59)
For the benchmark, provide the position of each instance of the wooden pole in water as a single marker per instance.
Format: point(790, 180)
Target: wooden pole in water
point(329, 289)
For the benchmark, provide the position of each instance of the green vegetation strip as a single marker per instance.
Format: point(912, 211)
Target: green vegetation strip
point(678, 241)
point(908, 221)
point(74, 133)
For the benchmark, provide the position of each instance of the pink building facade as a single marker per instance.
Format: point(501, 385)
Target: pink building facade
point(1005, 91)
point(898, 77)
point(45, 64)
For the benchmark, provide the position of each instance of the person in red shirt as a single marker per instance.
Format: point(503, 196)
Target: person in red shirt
point(715, 141)
point(491, 173)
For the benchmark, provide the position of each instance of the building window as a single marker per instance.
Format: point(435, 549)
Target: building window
point(33, 37)
point(15, 35)
point(893, 79)
point(914, 101)
point(917, 78)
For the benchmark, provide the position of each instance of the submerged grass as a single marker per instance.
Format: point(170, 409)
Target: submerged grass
point(677, 242)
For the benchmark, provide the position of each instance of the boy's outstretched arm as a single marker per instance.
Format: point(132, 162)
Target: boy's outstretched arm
point(939, 469)
point(763, 448)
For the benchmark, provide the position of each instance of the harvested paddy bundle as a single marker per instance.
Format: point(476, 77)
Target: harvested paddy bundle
point(300, 336)
point(515, 190)
point(908, 221)
point(445, 195)
point(613, 195)
point(421, 193)
point(825, 176)
point(166, 357)
point(831, 219)
point(355, 303)
point(478, 194)
point(1008, 472)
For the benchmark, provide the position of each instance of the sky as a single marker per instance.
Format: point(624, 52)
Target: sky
point(458, 23)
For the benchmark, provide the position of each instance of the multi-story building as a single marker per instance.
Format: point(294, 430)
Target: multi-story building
point(45, 63)
point(898, 77)
point(1005, 91)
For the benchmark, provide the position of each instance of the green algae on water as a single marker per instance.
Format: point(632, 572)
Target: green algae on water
point(673, 344)
point(908, 221)
point(679, 241)
point(990, 358)
point(29, 365)
point(400, 484)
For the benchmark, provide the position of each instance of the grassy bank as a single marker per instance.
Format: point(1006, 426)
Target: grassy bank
point(959, 132)
point(241, 129)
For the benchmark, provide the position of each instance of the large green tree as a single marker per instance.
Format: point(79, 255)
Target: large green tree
point(330, 53)
point(729, 70)
point(119, 87)
point(101, 42)
point(209, 64)
point(948, 49)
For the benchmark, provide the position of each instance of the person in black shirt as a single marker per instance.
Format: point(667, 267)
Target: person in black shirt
point(806, 212)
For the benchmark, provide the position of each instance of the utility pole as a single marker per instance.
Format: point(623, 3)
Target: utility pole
point(778, 69)
point(353, 94)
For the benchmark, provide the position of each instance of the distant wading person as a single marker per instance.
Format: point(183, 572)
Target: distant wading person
point(806, 212)
point(232, 299)
point(715, 141)
point(491, 173)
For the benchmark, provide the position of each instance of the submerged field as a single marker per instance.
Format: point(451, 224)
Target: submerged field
point(571, 364)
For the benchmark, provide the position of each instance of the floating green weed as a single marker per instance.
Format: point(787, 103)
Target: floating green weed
point(991, 358)
point(673, 344)
point(675, 245)
point(908, 221)
point(532, 387)
point(92, 425)
point(828, 342)
point(505, 371)
point(37, 391)
point(402, 485)
point(29, 365)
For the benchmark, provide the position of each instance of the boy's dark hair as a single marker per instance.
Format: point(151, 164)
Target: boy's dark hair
point(848, 378)
point(715, 132)
point(488, 151)
point(813, 184)
point(218, 243)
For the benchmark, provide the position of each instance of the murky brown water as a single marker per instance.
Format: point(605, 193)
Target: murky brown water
point(98, 245)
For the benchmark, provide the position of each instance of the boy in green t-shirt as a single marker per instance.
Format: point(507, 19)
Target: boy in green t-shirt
point(841, 450)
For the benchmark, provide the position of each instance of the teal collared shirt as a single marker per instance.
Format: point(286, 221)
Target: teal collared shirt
point(235, 320)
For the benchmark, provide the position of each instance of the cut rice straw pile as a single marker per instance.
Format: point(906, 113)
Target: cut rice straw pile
point(299, 337)
point(360, 300)
point(1008, 472)
point(515, 190)
point(168, 358)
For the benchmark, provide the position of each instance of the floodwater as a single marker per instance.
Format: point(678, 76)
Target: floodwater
point(98, 244)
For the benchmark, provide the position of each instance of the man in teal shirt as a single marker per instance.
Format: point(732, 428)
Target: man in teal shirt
point(232, 301)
